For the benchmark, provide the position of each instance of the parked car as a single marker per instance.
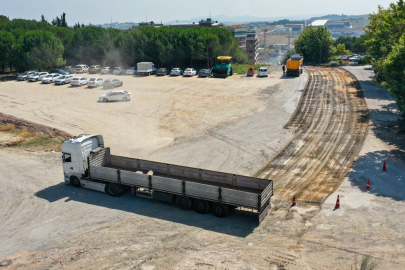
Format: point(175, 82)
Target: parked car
point(116, 95)
point(161, 72)
point(81, 68)
point(94, 69)
point(176, 72)
point(355, 58)
point(190, 72)
point(347, 57)
point(78, 81)
point(50, 78)
point(95, 82)
point(263, 72)
point(37, 76)
point(105, 70)
point(69, 69)
point(118, 71)
point(64, 79)
point(60, 71)
point(24, 76)
point(112, 83)
point(131, 71)
point(204, 73)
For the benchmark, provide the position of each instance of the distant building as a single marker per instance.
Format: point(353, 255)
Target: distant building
point(151, 23)
point(339, 24)
point(252, 45)
point(318, 23)
point(283, 29)
point(203, 23)
point(240, 34)
point(304, 23)
point(295, 27)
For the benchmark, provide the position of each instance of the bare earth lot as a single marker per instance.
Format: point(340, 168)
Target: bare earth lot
point(232, 125)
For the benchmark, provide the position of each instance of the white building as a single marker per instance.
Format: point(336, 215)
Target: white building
point(318, 23)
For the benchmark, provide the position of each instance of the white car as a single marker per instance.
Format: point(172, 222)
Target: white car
point(355, 58)
point(263, 72)
point(105, 70)
point(24, 76)
point(37, 76)
point(64, 79)
point(50, 78)
point(78, 81)
point(81, 68)
point(95, 82)
point(118, 71)
point(116, 95)
point(131, 71)
point(190, 72)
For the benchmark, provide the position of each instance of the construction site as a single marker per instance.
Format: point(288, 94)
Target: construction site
point(329, 139)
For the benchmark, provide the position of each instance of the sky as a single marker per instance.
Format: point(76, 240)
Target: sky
point(101, 11)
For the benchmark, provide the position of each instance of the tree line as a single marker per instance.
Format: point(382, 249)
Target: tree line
point(40, 45)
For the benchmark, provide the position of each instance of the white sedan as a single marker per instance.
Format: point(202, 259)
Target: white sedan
point(95, 82)
point(24, 76)
point(190, 72)
point(64, 79)
point(78, 81)
point(50, 78)
point(37, 76)
point(116, 95)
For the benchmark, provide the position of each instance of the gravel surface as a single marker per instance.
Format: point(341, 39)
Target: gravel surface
point(231, 125)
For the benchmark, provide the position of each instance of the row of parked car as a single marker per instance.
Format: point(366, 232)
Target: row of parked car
point(61, 79)
point(353, 57)
point(94, 69)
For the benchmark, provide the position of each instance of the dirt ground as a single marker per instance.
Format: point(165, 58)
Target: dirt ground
point(232, 125)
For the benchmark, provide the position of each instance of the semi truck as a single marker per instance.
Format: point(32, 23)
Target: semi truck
point(294, 65)
point(146, 68)
point(87, 163)
point(223, 68)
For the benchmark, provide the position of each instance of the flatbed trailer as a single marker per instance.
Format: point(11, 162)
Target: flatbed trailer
point(183, 185)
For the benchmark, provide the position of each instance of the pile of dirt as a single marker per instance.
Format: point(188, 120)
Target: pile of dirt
point(32, 127)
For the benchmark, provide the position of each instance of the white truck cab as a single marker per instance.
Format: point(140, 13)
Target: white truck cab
point(75, 151)
point(263, 72)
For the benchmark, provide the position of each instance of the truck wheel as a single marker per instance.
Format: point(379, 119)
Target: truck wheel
point(201, 206)
point(112, 189)
point(183, 202)
point(220, 210)
point(75, 181)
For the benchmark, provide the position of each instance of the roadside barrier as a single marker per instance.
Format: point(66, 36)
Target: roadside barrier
point(384, 169)
point(294, 203)
point(337, 206)
point(368, 184)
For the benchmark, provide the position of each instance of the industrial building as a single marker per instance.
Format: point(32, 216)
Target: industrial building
point(318, 23)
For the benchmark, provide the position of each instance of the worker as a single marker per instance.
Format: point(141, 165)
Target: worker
point(283, 69)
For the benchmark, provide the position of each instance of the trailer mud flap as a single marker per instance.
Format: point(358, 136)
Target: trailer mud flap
point(264, 213)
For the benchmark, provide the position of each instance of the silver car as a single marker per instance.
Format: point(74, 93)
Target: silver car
point(95, 82)
point(37, 76)
point(24, 76)
point(64, 79)
point(50, 78)
point(116, 95)
point(78, 81)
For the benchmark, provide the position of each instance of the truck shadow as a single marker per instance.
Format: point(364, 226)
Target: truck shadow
point(238, 223)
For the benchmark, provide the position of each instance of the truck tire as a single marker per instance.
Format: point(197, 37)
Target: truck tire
point(75, 181)
point(201, 206)
point(112, 190)
point(220, 210)
point(183, 202)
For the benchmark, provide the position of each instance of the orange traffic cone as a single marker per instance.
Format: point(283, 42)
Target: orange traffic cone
point(337, 206)
point(294, 203)
point(384, 169)
point(368, 184)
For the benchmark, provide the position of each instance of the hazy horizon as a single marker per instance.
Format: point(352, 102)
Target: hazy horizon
point(101, 11)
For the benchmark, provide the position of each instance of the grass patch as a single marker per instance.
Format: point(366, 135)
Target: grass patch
point(27, 140)
point(242, 69)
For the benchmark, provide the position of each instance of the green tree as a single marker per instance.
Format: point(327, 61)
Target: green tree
point(341, 50)
point(6, 43)
point(40, 50)
point(315, 44)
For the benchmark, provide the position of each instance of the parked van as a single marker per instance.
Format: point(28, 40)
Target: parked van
point(81, 68)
